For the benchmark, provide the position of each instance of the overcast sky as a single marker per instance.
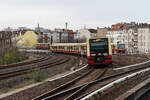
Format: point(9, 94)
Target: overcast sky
point(54, 13)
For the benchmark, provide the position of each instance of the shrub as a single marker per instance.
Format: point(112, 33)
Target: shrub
point(37, 75)
point(12, 56)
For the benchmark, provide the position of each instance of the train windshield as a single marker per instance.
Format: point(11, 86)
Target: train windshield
point(121, 46)
point(99, 45)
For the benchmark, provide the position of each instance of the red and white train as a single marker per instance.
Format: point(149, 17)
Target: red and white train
point(43, 46)
point(97, 50)
point(118, 48)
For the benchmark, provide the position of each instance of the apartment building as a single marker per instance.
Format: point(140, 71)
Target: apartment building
point(70, 36)
point(93, 33)
point(86, 33)
point(59, 36)
point(5, 38)
point(117, 33)
point(144, 39)
point(102, 32)
point(131, 40)
point(76, 36)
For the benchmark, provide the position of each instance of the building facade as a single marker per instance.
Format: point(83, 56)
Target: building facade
point(59, 36)
point(117, 33)
point(5, 38)
point(132, 40)
point(102, 32)
point(84, 34)
point(76, 36)
point(144, 40)
point(70, 36)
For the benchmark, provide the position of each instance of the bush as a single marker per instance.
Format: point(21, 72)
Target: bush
point(37, 75)
point(12, 56)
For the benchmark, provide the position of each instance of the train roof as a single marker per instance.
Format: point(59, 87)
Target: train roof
point(67, 44)
point(43, 43)
point(99, 37)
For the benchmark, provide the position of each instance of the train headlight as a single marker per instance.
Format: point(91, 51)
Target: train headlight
point(105, 54)
point(93, 54)
point(99, 54)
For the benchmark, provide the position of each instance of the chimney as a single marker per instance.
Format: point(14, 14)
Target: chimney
point(66, 25)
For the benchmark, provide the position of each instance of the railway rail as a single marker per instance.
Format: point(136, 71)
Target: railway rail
point(79, 91)
point(47, 63)
point(24, 63)
point(72, 83)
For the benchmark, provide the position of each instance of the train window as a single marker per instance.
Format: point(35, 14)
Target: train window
point(84, 48)
point(65, 48)
point(71, 47)
point(76, 48)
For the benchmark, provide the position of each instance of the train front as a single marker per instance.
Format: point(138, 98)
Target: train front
point(99, 51)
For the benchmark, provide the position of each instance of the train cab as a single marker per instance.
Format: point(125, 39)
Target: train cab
point(99, 51)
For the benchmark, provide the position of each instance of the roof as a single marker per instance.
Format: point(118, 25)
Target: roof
point(92, 30)
point(67, 44)
point(70, 31)
point(117, 27)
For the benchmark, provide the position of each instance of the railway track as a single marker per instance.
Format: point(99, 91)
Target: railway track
point(77, 81)
point(81, 91)
point(25, 63)
point(27, 68)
